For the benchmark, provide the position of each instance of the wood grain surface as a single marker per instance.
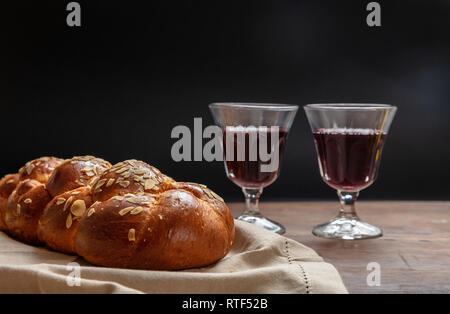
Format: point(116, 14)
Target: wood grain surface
point(413, 254)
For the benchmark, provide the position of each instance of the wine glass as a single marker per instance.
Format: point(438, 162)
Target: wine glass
point(349, 139)
point(254, 138)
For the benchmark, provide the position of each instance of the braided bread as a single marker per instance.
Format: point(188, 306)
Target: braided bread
point(129, 215)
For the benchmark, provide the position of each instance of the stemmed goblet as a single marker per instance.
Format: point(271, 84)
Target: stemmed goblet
point(254, 138)
point(349, 139)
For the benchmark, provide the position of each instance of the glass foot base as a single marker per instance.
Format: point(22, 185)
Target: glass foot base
point(347, 228)
point(264, 222)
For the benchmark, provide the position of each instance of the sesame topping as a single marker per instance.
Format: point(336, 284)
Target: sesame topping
point(66, 205)
point(123, 169)
point(60, 200)
point(78, 208)
point(124, 184)
point(91, 212)
point(125, 211)
point(132, 235)
point(100, 183)
point(69, 221)
point(149, 184)
point(137, 210)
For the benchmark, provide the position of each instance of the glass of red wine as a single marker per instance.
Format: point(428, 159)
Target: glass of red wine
point(254, 139)
point(349, 140)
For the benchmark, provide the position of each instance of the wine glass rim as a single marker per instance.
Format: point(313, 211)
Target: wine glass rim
point(254, 105)
point(349, 106)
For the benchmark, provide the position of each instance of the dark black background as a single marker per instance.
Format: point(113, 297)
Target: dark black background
point(116, 86)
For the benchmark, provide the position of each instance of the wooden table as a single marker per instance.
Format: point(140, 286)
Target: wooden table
point(413, 254)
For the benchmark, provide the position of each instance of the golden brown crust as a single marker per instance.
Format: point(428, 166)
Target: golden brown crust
point(24, 209)
point(217, 203)
point(75, 173)
point(7, 185)
point(130, 176)
point(59, 222)
point(129, 215)
point(39, 169)
point(24, 204)
point(182, 231)
point(106, 227)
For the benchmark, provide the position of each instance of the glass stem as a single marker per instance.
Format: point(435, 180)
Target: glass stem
point(252, 201)
point(347, 200)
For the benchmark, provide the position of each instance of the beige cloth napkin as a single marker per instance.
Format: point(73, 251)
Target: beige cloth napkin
point(259, 262)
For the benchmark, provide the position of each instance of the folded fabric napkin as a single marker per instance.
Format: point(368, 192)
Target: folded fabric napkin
point(259, 262)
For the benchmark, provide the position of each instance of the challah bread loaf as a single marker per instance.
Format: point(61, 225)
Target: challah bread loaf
point(129, 215)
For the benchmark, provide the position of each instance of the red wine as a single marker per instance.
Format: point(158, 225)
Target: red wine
point(349, 158)
point(247, 172)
